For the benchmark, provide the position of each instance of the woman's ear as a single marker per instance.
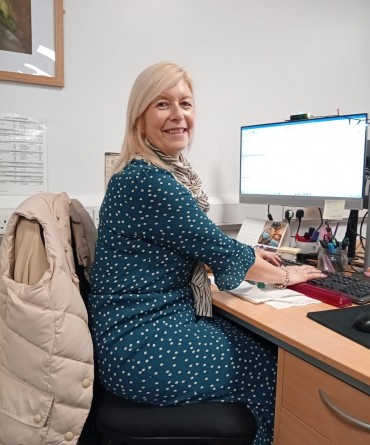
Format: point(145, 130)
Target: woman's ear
point(140, 126)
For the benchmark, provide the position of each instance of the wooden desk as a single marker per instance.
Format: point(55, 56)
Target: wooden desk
point(312, 360)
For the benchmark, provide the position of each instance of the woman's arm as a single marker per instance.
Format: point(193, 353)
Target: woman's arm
point(266, 272)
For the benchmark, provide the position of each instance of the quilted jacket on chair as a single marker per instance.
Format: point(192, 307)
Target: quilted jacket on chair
point(46, 352)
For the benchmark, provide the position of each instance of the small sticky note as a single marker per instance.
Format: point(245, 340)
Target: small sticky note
point(334, 209)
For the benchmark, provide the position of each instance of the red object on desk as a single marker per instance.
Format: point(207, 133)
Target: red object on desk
point(327, 296)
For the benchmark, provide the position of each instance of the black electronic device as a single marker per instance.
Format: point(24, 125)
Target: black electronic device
point(303, 163)
point(357, 290)
point(362, 322)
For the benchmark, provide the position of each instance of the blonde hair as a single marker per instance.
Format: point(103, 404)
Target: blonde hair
point(148, 85)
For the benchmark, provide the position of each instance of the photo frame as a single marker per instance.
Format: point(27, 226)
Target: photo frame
point(274, 234)
point(43, 63)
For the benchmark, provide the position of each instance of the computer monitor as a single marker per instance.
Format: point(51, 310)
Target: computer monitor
point(303, 163)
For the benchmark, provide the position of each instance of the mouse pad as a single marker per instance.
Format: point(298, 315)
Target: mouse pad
point(341, 321)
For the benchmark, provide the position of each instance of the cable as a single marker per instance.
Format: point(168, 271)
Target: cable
point(289, 215)
point(299, 214)
point(321, 219)
point(362, 238)
point(269, 216)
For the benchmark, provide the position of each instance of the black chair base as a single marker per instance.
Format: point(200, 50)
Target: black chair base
point(116, 421)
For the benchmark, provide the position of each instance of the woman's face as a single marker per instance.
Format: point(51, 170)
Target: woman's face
point(169, 119)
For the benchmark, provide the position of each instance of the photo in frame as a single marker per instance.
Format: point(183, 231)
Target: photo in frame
point(274, 234)
point(31, 41)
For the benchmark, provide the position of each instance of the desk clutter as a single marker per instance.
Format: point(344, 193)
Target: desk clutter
point(321, 246)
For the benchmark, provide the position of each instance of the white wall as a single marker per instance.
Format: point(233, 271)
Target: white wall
point(252, 61)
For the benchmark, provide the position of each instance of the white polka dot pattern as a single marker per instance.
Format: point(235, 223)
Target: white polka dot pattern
point(150, 346)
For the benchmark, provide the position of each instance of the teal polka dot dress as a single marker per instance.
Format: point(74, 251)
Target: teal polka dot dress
point(149, 344)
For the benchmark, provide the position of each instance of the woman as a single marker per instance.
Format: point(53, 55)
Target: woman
point(150, 306)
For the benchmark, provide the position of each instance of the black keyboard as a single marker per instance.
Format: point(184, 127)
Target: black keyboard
point(358, 291)
point(344, 286)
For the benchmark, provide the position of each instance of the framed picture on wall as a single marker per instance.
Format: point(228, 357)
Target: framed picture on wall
point(31, 41)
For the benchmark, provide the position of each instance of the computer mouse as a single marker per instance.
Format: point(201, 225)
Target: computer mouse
point(362, 322)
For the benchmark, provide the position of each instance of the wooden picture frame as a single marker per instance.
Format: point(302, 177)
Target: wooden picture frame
point(44, 63)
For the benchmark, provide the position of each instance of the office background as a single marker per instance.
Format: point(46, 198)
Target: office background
point(251, 61)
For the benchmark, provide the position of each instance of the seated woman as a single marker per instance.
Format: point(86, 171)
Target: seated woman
point(150, 306)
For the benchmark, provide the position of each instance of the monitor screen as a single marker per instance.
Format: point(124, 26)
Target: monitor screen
point(305, 162)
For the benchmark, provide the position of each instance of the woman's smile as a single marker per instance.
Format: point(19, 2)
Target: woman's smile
point(169, 120)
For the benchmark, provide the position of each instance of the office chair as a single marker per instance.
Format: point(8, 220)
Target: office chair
point(116, 421)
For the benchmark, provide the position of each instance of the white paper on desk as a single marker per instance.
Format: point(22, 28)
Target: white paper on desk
point(277, 298)
point(301, 300)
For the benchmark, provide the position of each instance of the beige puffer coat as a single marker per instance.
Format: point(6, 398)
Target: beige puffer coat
point(46, 353)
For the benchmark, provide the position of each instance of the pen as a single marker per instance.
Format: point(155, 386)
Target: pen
point(331, 247)
point(336, 228)
point(345, 243)
point(315, 236)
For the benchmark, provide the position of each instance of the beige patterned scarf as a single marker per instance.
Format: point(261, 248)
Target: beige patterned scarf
point(184, 173)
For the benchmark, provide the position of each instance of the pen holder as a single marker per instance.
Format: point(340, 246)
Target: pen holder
point(332, 261)
point(308, 247)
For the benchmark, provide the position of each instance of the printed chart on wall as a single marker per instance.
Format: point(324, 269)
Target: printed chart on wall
point(110, 160)
point(23, 166)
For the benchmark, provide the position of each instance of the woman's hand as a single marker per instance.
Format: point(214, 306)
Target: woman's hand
point(300, 274)
point(271, 257)
point(266, 270)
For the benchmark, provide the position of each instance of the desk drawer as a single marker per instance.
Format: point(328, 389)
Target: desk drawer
point(296, 432)
point(302, 384)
